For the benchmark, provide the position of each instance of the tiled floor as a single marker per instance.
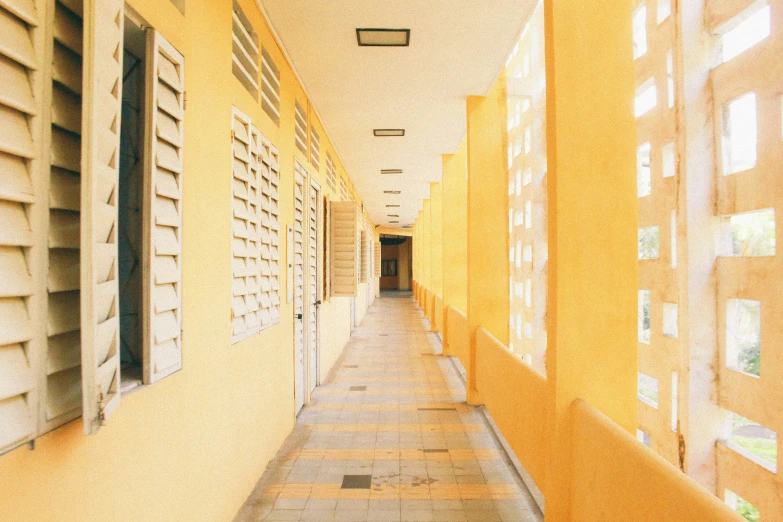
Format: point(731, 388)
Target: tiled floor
point(389, 437)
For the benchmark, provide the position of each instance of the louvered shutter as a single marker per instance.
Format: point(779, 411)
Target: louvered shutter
point(269, 160)
point(18, 394)
point(102, 98)
point(163, 208)
point(377, 259)
point(343, 248)
point(62, 399)
point(246, 288)
point(364, 269)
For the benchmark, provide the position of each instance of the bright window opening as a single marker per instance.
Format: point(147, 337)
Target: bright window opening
point(647, 390)
point(747, 33)
point(750, 234)
point(643, 437)
point(669, 160)
point(743, 336)
point(754, 441)
point(644, 316)
point(664, 10)
point(739, 134)
point(670, 322)
point(643, 183)
point(742, 506)
point(646, 98)
point(648, 243)
point(640, 31)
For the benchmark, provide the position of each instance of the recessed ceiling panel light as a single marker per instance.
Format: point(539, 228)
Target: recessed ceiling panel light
point(391, 191)
point(407, 226)
point(388, 133)
point(392, 206)
point(393, 221)
point(392, 215)
point(374, 37)
point(391, 171)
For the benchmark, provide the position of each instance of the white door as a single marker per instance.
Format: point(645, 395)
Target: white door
point(299, 286)
point(313, 295)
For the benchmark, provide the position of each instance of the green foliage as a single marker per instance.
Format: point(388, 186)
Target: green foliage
point(648, 243)
point(747, 510)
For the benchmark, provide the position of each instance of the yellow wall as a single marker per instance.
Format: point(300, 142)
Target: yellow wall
point(487, 211)
point(192, 446)
point(614, 476)
point(455, 223)
point(436, 237)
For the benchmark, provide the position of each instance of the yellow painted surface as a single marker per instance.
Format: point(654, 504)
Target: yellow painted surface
point(457, 339)
point(487, 211)
point(437, 314)
point(455, 229)
point(516, 396)
point(592, 217)
point(617, 478)
point(436, 237)
point(191, 446)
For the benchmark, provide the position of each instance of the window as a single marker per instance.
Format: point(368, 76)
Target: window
point(270, 87)
point(648, 243)
point(640, 31)
point(389, 268)
point(300, 128)
point(244, 51)
point(739, 134)
point(643, 178)
point(752, 28)
point(646, 98)
point(648, 390)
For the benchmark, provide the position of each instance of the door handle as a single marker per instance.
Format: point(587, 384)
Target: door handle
point(317, 303)
point(299, 316)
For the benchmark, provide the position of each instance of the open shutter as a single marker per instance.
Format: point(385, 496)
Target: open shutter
point(163, 208)
point(377, 259)
point(102, 98)
point(343, 248)
point(17, 105)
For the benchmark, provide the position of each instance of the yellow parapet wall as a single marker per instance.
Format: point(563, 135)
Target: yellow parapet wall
point(616, 477)
point(458, 338)
point(516, 396)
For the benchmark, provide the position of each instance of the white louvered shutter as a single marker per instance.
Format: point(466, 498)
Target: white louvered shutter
point(18, 394)
point(269, 160)
point(343, 248)
point(62, 398)
point(163, 206)
point(246, 288)
point(377, 266)
point(102, 98)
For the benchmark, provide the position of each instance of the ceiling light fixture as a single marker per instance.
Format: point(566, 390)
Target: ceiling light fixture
point(392, 215)
point(391, 192)
point(391, 171)
point(392, 206)
point(388, 133)
point(374, 37)
point(393, 221)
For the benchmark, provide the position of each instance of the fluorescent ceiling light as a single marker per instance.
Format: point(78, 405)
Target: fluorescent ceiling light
point(392, 215)
point(391, 171)
point(388, 133)
point(391, 191)
point(372, 37)
point(393, 221)
point(392, 206)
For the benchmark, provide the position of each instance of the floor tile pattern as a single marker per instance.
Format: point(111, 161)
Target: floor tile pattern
point(389, 437)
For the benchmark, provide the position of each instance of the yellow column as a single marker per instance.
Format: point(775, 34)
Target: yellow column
point(455, 235)
point(487, 222)
point(593, 268)
point(426, 257)
point(436, 255)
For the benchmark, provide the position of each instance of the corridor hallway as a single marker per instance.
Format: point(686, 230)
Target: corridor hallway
point(389, 437)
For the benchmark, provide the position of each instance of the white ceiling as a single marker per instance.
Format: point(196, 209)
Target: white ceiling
point(457, 48)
